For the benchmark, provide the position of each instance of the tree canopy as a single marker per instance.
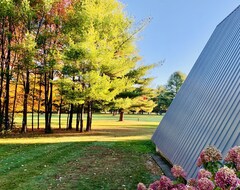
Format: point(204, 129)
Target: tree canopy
point(68, 55)
point(166, 94)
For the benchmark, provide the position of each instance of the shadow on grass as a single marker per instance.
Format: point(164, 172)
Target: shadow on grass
point(118, 131)
point(77, 165)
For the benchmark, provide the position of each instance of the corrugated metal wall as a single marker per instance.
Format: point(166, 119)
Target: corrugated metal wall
point(206, 110)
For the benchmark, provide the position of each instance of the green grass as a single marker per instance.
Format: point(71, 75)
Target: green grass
point(115, 155)
point(96, 117)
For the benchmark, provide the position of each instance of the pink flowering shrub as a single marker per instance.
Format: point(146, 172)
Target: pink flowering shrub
point(178, 171)
point(202, 173)
point(233, 158)
point(164, 183)
point(210, 154)
point(141, 186)
point(205, 184)
point(225, 178)
point(192, 182)
point(210, 159)
point(213, 176)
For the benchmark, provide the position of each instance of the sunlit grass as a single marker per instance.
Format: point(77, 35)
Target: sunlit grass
point(135, 127)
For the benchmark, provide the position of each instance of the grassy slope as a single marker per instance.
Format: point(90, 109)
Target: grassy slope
point(114, 156)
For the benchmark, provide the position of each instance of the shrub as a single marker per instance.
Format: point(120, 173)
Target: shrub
point(215, 174)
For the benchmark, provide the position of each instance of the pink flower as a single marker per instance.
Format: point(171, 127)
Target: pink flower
point(141, 186)
point(192, 182)
point(237, 184)
point(202, 173)
point(199, 162)
point(210, 154)
point(165, 183)
point(178, 171)
point(226, 177)
point(179, 187)
point(191, 188)
point(233, 156)
point(237, 162)
point(205, 184)
point(155, 185)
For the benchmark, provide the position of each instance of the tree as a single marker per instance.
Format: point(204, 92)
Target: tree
point(7, 21)
point(99, 54)
point(175, 82)
point(167, 93)
point(139, 92)
point(88, 45)
point(51, 18)
point(163, 99)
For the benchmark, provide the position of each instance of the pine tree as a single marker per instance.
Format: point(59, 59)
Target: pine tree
point(100, 53)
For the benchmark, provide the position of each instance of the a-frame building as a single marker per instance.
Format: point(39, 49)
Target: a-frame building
point(206, 110)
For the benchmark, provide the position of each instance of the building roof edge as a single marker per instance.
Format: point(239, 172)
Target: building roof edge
point(228, 15)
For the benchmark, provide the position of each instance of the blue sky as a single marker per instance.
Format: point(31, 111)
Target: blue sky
point(178, 32)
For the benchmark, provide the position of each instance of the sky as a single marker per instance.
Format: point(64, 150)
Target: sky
point(177, 33)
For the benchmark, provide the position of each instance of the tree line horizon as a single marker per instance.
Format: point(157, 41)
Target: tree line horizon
point(69, 55)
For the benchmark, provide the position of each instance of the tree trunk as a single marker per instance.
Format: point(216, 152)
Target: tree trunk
point(7, 65)
point(15, 98)
point(70, 117)
point(46, 88)
point(71, 110)
point(121, 117)
point(1, 87)
point(78, 117)
point(33, 97)
point(26, 93)
point(50, 103)
point(39, 101)
point(89, 117)
point(2, 72)
point(7, 89)
point(81, 118)
point(60, 114)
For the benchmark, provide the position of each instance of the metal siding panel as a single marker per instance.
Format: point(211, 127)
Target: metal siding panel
point(206, 109)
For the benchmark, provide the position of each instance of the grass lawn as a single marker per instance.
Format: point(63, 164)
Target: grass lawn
point(115, 155)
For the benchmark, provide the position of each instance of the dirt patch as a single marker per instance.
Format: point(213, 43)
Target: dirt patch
point(102, 166)
point(153, 167)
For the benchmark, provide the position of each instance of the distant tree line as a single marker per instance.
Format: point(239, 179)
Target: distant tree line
point(68, 56)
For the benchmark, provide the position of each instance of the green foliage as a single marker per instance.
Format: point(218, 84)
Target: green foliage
point(164, 100)
point(83, 47)
point(142, 103)
point(97, 52)
point(27, 49)
point(6, 8)
point(175, 82)
point(167, 93)
point(71, 91)
point(139, 95)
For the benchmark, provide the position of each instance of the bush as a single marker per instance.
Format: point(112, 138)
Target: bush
point(215, 174)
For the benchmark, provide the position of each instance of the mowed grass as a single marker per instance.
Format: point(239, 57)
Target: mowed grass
point(115, 155)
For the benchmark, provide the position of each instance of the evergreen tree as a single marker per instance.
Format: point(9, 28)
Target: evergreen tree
point(175, 82)
point(167, 93)
point(99, 53)
point(139, 94)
